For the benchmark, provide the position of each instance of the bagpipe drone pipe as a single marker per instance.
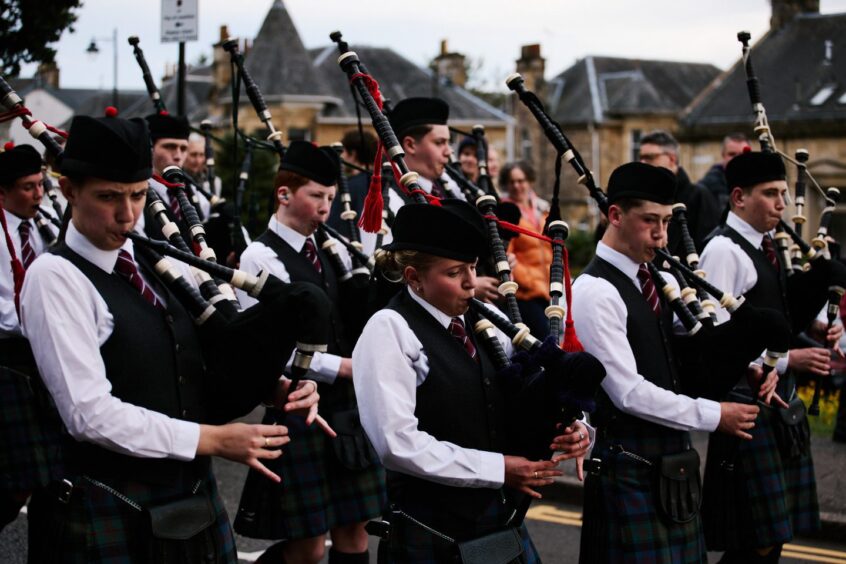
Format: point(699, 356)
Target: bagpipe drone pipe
point(547, 384)
point(739, 341)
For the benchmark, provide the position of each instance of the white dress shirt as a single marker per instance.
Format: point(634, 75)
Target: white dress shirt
point(730, 269)
point(389, 363)
point(9, 323)
point(67, 321)
point(600, 316)
point(258, 257)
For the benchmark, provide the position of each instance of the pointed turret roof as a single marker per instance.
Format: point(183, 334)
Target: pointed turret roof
point(278, 60)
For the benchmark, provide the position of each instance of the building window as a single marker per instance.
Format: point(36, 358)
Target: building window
point(823, 95)
point(636, 135)
point(298, 134)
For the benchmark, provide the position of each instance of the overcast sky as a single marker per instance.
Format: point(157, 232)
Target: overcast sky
point(489, 31)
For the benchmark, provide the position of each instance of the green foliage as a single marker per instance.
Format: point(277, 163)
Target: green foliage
point(822, 425)
point(29, 27)
point(258, 202)
point(581, 248)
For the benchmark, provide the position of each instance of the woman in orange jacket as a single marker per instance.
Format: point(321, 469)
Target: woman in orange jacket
point(531, 271)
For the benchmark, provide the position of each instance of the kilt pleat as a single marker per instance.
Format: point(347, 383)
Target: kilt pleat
point(622, 523)
point(316, 494)
point(32, 435)
point(765, 500)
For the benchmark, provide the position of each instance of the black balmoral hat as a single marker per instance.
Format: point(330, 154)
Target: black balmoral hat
point(750, 168)
point(111, 148)
point(17, 162)
point(412, 112)
point(445, 231)
point(166, 126)
point(641, 181)
point(312, 162)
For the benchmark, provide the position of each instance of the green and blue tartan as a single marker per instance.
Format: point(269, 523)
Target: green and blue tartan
point(766, 500)
point(96, 527)
point(32, 434)
point(622, 522)
point(316, 494)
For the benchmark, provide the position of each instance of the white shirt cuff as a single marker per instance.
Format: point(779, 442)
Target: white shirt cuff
point(186, 439)
point(492, 469)
point(710, 414)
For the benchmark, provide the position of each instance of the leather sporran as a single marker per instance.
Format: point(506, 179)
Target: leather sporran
point(679, 487)
point(791, 431)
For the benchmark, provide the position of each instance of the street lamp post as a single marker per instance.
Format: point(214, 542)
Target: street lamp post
point(93, 50)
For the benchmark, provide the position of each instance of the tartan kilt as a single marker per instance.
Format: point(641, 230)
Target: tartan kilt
point(316, 494)
point(621, 521)
point(97, 527)
point(765, 500)
point(32, 435)
point(412, 544)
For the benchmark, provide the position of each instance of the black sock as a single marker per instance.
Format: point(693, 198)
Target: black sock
point(336, 557)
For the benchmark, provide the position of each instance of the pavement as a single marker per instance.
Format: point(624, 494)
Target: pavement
point(829, 467)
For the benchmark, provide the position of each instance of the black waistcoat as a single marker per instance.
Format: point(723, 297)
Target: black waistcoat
point(300, 269)
point(769, 291)
point(153, 360)
point(339, 395)
point(461, 402)
point(648, 338)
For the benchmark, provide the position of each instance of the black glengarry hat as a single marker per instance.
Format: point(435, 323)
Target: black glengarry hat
point(412, 112)
point(439, 230)
point(111, 148)
point(752, 167)
point(166, 126)
point(642, 181)
point(17, 162)
point(314, 163)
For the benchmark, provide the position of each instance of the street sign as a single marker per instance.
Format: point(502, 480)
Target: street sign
point(179, 20)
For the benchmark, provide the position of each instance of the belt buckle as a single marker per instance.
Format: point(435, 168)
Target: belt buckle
point(593, 466)
point(65, 491)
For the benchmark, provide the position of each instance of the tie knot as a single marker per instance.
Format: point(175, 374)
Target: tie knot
point(456, 327)
point(25, 227)
point(643, 274)
point(125, 265)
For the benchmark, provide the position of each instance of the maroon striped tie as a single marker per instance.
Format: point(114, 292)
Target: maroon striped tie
point(310, 252)
point(456, 329)
point(27, 252)
point(647, 286)
point(438, 189)
point(769, 250)
point(127, 268)
point(174, 204)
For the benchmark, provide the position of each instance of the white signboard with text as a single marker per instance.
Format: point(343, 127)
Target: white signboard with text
point(179, 20)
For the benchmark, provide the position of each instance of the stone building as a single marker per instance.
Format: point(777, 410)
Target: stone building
point(803, 88)
point(604, 105)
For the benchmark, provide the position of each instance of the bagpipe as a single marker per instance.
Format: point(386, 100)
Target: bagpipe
point(264, 342)
point(242, 381)
point(550, 386)
point(819, 282)
point(739, 340)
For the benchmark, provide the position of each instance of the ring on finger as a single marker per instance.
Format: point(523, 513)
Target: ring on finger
point(536, 474)
point(266, 442)
point(581, 436)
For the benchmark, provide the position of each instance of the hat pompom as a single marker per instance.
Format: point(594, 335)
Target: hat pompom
point(9, 146)
point(111, 111)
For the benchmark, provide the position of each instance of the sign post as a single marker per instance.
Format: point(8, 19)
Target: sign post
point(179, 24)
